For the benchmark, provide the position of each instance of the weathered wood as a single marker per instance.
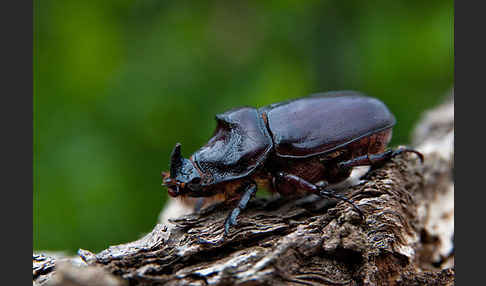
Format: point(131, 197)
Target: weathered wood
point(42, 268)
point(405, 239)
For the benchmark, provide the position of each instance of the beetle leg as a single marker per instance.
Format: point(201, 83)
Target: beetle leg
point(230, 221)
point(326, 193)
point(199, 204)
point(377, 159)
point(318, 190)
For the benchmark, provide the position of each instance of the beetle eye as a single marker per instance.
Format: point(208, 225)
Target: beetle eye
point(196, 180)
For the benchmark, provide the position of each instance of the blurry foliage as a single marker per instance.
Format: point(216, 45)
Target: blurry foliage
point(118, 83)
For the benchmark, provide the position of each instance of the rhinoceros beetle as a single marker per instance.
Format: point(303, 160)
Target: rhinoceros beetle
point(293, 147)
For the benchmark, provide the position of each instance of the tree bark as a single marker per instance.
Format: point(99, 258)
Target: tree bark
point(406, 237)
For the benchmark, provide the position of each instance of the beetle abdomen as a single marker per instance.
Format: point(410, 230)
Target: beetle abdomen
point(324, 122)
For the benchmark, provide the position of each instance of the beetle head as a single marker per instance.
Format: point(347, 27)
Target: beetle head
point(183, 178)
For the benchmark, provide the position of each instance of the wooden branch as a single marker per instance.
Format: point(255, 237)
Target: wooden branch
point(405, 239)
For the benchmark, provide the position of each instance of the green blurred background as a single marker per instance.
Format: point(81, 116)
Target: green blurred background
point(118, 83)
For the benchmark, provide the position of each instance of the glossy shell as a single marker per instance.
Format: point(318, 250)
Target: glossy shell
point(324, 122)
point(240, 143)
point(300, 128)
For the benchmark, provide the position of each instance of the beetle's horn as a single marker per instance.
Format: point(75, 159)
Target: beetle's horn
point(175, 160)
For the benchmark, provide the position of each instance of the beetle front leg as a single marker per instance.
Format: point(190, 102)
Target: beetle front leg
point(318, 190)
point(231, 220)
point(198, 205)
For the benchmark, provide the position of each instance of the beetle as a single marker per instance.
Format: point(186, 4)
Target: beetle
point(293, 147)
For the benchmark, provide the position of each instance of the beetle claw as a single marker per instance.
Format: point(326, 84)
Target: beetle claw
point(404, 150)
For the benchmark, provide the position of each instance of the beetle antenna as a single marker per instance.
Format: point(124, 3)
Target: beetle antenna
point(175, 160)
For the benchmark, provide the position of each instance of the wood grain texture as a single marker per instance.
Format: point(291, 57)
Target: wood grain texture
point(406, 237)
